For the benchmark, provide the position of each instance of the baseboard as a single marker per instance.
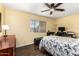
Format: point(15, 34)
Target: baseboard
point(24, 45)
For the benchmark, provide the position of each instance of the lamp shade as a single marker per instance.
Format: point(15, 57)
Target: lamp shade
point(5, 27)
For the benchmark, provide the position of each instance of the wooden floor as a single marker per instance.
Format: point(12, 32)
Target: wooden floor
point(31, 50)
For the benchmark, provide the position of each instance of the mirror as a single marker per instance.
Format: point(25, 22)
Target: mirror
point(0, 22)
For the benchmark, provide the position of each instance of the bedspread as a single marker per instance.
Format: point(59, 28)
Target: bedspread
point(60, 46)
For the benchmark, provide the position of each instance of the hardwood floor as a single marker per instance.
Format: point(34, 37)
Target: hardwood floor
point(31, 50)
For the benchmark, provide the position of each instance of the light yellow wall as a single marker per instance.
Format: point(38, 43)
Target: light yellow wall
point(70, 22)
point(19, 23)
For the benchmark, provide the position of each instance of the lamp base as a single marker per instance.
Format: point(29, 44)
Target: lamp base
point(5, 35)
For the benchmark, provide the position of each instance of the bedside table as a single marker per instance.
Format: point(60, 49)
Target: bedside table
point(8, 46)
point(37, 40)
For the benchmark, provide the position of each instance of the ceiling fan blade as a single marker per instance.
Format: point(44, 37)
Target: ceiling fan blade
point(45, 10)
point(51, 12)
point(57, 5)
point(47, 5)
point(60, 9)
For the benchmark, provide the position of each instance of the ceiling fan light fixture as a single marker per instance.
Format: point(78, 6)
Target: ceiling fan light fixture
point(52, 9)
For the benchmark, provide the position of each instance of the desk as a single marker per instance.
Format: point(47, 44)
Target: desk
point(8, 45)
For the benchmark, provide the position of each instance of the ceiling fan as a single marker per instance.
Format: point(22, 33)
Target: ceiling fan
point(53, 7)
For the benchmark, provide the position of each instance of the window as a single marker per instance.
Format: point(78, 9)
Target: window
point(38, 26)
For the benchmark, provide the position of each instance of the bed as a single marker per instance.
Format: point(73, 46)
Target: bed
point(60, 46)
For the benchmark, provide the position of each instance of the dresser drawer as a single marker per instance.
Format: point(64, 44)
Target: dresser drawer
point(7, 52)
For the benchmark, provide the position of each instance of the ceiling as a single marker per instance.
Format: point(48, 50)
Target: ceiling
point(36, 8)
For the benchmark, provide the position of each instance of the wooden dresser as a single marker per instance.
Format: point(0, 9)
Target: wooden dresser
point(8, 45)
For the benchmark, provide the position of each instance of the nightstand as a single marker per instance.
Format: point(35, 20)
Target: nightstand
point(37, 40)
point(8, 46)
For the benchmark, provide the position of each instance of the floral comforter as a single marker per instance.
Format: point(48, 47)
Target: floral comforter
point(60, 46)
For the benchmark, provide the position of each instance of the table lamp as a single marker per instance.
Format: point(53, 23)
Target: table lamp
point(5, 28)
